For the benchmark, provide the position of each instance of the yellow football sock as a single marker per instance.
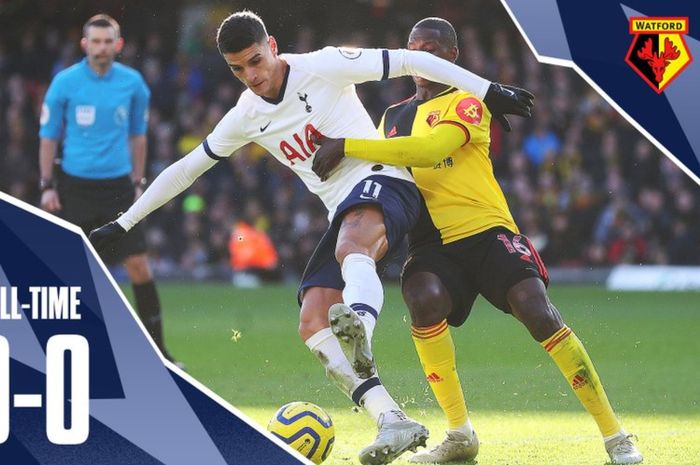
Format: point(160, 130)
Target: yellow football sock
point(437, 355)
point(571, 357)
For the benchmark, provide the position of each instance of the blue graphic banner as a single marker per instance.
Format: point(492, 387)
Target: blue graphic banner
point(80, 383)
point(595, 39)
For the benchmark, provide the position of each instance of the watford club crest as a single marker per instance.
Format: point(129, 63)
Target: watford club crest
point(658, 52)
point(433, 118)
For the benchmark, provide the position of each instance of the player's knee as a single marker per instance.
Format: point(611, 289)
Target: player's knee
point(427, 304)
point(529, 304)
point(346, 247)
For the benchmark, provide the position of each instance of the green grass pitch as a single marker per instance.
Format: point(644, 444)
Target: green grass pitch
point(243, 344)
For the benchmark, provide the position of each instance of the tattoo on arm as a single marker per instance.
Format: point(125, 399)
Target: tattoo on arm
point(354, 218)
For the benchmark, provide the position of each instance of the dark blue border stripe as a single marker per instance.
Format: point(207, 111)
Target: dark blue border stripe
point(363, 388)
point(288, 421)
point(360, 307)
point(385, 63)
point(211, 154)
point(307, 430)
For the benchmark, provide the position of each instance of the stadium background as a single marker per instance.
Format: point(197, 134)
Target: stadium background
point(583, 184)
point(587, 188)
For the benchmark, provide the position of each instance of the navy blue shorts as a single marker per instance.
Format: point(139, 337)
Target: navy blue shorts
point(400, 202)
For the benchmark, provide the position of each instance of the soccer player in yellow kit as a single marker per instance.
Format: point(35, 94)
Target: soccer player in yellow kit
point(466, 243)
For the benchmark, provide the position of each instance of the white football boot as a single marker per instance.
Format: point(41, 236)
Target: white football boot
point(397, 434)
point(457, 447)
point(351, 335)
point(622, 450)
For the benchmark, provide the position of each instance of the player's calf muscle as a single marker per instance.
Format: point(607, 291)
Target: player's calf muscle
point(311, 321)
point(313, 316)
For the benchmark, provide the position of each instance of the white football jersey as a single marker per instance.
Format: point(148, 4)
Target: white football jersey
point(317, 97)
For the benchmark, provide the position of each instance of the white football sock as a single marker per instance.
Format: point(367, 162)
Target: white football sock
point(620, 434)
point(369, 393)
point(326, 348)
point(465, 429)
point(363, 290)
point(378, 402)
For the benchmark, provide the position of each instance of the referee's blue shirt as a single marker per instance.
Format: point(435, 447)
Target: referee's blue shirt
point(96, 115)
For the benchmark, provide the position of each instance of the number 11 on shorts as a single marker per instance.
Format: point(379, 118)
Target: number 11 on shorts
point(371, 190)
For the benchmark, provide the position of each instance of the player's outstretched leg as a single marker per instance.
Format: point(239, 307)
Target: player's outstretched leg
point(571, 357)
point(430, 302)
point(530, 304)
point(397, 433)
point(361, 241)
point(437, 356)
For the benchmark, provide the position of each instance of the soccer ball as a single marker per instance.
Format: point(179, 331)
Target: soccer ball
point(306, 428)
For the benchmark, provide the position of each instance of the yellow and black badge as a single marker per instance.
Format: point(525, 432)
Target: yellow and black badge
point(658, 52)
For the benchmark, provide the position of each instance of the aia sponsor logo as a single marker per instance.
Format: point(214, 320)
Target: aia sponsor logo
point(578, 382)
point(301, 146)
point(658, 53)
point(433, 378)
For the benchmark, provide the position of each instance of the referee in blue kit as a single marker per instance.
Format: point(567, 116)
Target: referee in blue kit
point(99, 109)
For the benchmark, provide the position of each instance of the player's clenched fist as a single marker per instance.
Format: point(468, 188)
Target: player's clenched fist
point(105, 236)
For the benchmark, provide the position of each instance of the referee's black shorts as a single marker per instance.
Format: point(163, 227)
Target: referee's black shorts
point(488, 263)
point(90, 203)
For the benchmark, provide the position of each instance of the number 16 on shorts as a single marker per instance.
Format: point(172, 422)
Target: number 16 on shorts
point(79, 403)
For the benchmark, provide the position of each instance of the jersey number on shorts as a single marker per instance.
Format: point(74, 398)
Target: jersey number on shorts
point(371, 190)
point(515, 246)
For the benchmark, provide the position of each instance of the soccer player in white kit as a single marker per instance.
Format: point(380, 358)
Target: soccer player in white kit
point(291, 100)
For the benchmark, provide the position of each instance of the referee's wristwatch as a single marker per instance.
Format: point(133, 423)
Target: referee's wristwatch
point(140, 182)
point(46, 184)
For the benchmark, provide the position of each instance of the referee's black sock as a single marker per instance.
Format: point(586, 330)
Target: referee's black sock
point(148, 308)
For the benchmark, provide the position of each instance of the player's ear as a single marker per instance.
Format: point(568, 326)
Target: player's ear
point(83, 44)
point(119, 45)
point(454, 53)
point(273, 44)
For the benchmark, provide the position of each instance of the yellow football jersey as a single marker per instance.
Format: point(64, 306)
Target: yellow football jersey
point(461, 193)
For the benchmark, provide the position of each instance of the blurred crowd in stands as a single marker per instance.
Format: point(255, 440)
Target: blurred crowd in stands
point(586, 187)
